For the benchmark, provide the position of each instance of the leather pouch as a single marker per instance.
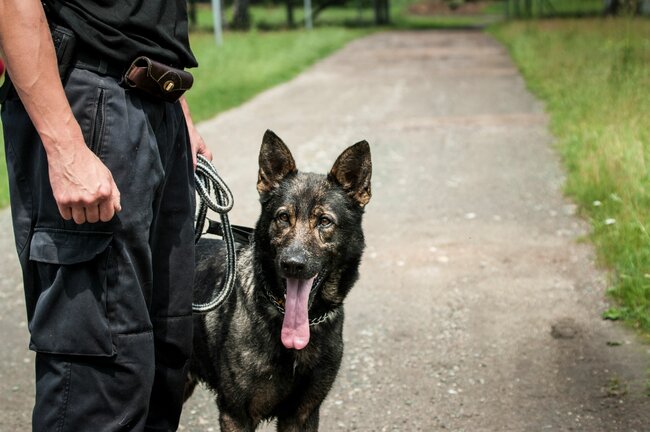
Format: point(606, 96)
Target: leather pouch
point(157, 80)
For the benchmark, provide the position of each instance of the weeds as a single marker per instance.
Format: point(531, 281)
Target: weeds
point(593, 76)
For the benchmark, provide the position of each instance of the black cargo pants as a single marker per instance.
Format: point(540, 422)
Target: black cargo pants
point(108, 304)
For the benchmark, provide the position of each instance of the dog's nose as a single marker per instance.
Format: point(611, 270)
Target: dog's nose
point(293, 266)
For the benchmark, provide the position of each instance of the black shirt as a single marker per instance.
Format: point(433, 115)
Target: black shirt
point(121, 30)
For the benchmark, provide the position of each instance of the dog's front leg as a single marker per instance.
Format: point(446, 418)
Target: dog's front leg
point(298, 423)
point(229, 423)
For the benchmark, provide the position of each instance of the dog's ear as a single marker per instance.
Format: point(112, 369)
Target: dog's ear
point(275, 163)
point(352, 171)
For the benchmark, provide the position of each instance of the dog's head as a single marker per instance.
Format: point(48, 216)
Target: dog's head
point(309, 233)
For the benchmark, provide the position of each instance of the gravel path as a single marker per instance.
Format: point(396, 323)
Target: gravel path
point(478, 308)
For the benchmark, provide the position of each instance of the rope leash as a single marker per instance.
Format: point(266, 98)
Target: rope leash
point(208, 183)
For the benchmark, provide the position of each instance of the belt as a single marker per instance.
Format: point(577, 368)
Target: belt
point(102, 66)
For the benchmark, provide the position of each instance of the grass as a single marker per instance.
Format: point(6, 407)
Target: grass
point(559, 7)
point(593, 76)
point(248, 63)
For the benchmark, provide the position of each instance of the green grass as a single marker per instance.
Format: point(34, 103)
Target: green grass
point(593, 76)
point(248, 63)
point(559, 7)
point(402, 19)
point(578, 7)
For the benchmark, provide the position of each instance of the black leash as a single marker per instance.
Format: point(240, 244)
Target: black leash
point(207, 182)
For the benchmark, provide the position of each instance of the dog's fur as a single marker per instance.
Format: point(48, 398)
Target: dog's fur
point(310, 225)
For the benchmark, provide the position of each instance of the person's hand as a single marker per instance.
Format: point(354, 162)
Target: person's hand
point(198, 145)
point(196, 140)
point(83, 187)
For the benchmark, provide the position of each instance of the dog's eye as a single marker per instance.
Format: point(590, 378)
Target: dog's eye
point(324, 221)
point(283, 217)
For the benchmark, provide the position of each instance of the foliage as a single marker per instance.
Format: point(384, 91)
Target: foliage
point(248, 63)
point(540, 8)
point(593, 76)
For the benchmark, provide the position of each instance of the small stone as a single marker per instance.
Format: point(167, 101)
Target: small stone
point(564, 328)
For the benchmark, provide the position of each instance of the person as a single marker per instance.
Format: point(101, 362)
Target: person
point(102, 200)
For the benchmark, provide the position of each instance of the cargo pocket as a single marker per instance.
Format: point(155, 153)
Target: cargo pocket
point(70, 316)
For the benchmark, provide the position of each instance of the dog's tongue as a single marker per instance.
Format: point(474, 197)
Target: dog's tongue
point(295, 327)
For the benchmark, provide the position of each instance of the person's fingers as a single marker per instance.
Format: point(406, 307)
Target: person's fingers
point(108, 208)
point(66, 212)
point(116, 199)
point(205, 151)
point(79, 215)
point(106, 211)
point(92, 213)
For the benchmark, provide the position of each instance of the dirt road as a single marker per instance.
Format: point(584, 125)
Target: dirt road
point(478, 308)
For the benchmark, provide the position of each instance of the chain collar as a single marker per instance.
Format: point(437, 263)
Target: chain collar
point(279, 305)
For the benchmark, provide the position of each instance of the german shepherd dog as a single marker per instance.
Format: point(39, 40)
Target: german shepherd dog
point(273, 349)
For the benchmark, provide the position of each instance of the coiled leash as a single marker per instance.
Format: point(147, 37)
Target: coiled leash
point(208, 182)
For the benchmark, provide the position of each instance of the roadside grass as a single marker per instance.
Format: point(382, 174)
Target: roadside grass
point(248, 63)
point(573, 8)
point(593, 76)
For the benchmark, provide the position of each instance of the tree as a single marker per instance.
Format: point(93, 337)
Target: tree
point(192, 12)
point(615, 7)
point(241, 18)
point(290, 19)
point(382, 16)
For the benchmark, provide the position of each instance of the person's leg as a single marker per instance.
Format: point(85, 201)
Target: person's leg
point(172, 248)
point(88, 287)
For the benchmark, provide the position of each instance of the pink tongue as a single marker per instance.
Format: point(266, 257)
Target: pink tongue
point(295, 327)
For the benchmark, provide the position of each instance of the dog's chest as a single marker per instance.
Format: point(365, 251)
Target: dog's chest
point(277, 383)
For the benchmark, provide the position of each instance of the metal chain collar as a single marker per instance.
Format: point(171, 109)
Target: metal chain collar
point(312, 322)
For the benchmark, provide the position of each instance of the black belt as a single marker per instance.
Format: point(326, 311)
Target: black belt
point(102, 66)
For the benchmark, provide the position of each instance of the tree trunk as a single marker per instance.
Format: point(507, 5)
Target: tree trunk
point(381, 12)
point(616, 7)
point(290, 19)
point(192, 13)
point(241, 18)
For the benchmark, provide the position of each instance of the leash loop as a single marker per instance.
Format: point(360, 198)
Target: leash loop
point(208, 182)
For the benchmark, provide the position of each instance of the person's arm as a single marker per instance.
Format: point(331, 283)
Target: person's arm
point(83, 187)
point(196, 141)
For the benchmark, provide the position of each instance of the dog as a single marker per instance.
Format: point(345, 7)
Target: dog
point(274, 347)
